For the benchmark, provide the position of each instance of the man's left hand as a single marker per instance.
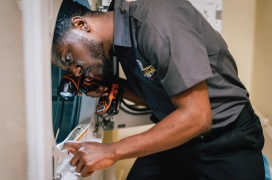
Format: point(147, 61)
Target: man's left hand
point(90, 156)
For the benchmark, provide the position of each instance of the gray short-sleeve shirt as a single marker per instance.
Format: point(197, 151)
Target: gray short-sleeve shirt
point(166, 47)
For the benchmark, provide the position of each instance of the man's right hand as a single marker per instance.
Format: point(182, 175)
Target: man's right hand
point(99, 92)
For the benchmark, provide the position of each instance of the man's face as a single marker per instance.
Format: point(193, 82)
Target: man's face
point(82, 54)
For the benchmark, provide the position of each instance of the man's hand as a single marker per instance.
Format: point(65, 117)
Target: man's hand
point(90, 156)
point(98, 92)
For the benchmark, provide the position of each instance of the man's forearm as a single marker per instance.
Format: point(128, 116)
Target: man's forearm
point(169, 133)
point(191, 118)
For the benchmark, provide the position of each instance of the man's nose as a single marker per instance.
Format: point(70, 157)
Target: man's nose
point(76, 70)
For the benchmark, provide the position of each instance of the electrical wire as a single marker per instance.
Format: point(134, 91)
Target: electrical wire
point(130, 109)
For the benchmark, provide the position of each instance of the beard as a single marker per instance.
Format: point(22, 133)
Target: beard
point(97, 52)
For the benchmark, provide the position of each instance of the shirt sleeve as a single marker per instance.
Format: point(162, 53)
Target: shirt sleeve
point(172, 42)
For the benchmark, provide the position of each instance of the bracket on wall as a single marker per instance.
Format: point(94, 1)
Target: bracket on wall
point(211, 11)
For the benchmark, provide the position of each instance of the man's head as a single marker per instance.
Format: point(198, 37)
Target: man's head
point(82, 40)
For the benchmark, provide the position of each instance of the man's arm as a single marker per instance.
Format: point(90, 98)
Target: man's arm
point(191, 118)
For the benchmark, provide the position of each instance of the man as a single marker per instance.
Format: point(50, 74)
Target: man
point(181, 68)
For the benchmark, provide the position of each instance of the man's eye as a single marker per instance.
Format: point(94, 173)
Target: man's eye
point(68, 58)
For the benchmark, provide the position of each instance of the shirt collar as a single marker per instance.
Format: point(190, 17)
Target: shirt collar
point(121, 23)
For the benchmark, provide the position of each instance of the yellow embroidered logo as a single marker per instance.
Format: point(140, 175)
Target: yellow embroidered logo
point(147, 71)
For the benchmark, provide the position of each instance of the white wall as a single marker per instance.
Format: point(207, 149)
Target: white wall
point(238, 30)
point(262, 69)
point(13, 156)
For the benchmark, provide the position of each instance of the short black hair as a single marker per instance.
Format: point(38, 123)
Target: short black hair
point(68, 10)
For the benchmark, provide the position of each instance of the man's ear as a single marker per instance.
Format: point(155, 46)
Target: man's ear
point(80, 23)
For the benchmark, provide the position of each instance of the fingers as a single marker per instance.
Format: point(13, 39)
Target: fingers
point(79, 93)
point(79, 166)
point(72, 147)
point(82, 169)
point(76, 160)
point(85, 172)
point(80, 163)
point(101, 91)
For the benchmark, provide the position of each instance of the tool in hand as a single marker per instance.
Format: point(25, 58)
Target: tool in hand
point(107, 105)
